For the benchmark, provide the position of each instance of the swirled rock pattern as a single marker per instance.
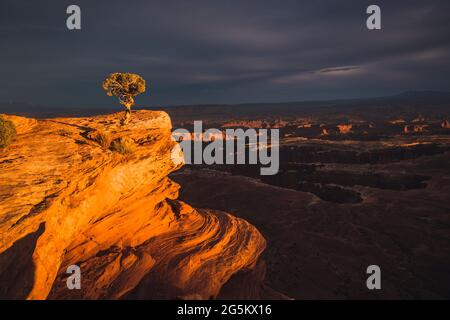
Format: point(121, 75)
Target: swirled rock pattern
point(65, 199)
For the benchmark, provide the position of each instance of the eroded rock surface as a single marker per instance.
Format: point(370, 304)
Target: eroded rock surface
point(65, 199)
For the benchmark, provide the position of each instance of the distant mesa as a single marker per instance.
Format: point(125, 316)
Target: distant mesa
point(325, 132)
point(419, 119)
point(345, 128)
point(397, 121)
point(418, 128)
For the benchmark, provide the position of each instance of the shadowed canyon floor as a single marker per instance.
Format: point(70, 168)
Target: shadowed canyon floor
point(326, 221)
point(360, 182)
point(66, 198)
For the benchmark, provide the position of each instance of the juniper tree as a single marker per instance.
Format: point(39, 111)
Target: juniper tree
point(124, 86)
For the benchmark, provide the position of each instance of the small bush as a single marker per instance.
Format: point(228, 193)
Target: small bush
point(7, 132)
point(123, 145)
point(102, 138)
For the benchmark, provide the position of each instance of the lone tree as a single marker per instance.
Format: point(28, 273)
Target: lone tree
point(124, 86)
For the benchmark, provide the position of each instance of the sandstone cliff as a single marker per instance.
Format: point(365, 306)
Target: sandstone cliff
point(65, 199)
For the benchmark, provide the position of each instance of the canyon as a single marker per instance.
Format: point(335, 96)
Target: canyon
point(354, 188)
point(341, 202)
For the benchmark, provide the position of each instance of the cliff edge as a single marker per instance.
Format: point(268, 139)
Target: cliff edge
point(67, 200)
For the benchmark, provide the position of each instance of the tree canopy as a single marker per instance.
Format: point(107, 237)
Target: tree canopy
point(124, 86)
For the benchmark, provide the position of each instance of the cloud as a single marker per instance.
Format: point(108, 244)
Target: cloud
point(339, 71)
point(222, 52)
point(320, 74)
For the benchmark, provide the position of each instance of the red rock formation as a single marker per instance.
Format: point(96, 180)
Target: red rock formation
point(421, 128)
point(445, 124)
point(406, 129)
point(65, 199)
point(279, 123)
point(344, 128)
point(416, 128)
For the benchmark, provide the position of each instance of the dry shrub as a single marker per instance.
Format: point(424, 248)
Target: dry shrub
point(7, 132)
point(103, 138)
point(123, 145)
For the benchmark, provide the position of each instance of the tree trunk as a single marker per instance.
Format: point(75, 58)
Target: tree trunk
point(127, 116)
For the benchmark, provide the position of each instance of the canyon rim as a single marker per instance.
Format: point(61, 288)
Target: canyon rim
point(66, 199)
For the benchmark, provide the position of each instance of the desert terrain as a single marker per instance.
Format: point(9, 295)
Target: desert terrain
point(356, 187)
point(361, 182)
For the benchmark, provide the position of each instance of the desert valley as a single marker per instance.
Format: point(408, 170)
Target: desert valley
point(361, 182)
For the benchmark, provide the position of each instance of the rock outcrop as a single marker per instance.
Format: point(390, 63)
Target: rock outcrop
point(415, 128)
point(344, 128)
point(67, 200)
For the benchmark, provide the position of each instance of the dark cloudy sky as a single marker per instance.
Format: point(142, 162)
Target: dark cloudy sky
point(221, 51)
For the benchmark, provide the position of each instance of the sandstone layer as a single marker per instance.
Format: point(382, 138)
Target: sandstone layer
point(67, 200)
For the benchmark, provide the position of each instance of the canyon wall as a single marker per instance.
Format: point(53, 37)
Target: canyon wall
point(66, 198)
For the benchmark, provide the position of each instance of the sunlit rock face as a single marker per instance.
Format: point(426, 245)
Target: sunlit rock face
point(415, 128)
point(65, 199)
point(345, 128)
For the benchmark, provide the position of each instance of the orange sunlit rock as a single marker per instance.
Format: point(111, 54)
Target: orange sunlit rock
point(420, 128)
point(344, 128)
point(417, 128)
point(68, 199)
